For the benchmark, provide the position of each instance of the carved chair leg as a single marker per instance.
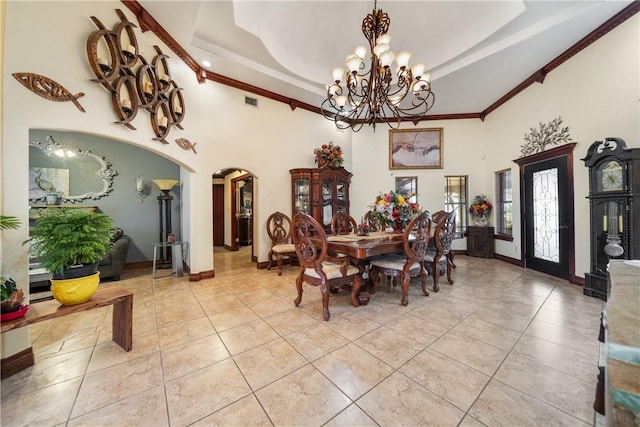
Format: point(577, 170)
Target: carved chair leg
point(436, 276)
point(279, 265)
point(270, 256)
point(299, 288)
point(355, 291)
point(405, 289)
point(325, 301)
point(423, 282)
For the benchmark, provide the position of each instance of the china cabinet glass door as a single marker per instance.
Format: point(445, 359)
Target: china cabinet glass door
point(301, 195)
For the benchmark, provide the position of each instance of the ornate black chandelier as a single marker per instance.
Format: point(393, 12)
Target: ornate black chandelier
point(368, 97)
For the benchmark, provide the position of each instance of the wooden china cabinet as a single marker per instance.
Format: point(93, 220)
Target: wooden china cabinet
point(320, 192)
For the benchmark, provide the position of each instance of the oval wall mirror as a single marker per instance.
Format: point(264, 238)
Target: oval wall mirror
point(68, 172)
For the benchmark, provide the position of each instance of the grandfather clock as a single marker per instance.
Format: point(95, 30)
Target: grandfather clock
point(614, 208)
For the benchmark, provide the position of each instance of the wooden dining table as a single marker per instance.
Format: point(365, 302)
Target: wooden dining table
point(361, 249)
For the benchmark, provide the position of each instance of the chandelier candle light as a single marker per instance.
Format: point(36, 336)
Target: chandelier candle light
point(377, 95)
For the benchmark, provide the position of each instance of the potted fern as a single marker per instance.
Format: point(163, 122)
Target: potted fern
point(69, 243)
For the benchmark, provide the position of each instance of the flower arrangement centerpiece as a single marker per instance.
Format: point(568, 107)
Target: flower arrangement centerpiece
point(480, 209)
point(394, 210)
point(329, 154)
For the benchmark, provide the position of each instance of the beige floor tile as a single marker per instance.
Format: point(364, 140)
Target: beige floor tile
point(502, 405)
point(570, 338)
point(110, 385)
point(54, 405)
point(222, 303)
point(353, 370)
point(439, 315)
point(109, 353)
point(451, 380)
point(389, 346)
point(514, 321)
point(579, 322)
point(182, 360)
point(399, 400)
point(351, 417)
point(265, 364)
point(245, 412)
point(303, 398)
point(231, 318)
point(490, 333)
point(148, 408)
point(316, 341)
point(555, 356)
point(474, 353)
point(562, 391)
point(201, 393)
point(417, 329)
point(185, 332)
point(289, 321)
point(351, 324)
point(47, 371)
point(247, 336)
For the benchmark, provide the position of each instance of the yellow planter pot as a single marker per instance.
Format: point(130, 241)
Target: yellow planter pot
point(75, 291)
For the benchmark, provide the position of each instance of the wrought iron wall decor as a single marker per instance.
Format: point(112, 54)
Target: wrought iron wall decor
point(47, 88)
point(547, 134)
point(134, 82)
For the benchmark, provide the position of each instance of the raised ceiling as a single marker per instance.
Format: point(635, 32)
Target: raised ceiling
point(477, 51)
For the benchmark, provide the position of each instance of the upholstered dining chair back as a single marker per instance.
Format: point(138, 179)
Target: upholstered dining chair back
point(279, 231)
point(439, 256)
point(415, 241)
point(343, 223)
point(317, 267)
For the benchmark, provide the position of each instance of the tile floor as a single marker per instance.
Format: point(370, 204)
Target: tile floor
point(502, 346)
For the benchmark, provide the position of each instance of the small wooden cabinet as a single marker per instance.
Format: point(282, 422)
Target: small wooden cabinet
point(480, 242)
point(320, 192)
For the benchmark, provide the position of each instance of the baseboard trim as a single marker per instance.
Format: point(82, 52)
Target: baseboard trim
point(16, 362)
point(196, 277)
point(509, 260)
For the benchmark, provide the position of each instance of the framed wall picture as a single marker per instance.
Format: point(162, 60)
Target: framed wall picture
point(408, 186)
point(415, 148)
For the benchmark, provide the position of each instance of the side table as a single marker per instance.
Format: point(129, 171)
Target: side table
point(480, 242)
point(176, 259)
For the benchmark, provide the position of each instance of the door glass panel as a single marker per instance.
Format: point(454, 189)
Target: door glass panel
point(546, 241)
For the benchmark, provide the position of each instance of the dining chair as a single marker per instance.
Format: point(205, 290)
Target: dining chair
point(411, 264)
point(373, 224)
point(343, 223)
point(279, 230)
point(317, 267)
point(439, 255)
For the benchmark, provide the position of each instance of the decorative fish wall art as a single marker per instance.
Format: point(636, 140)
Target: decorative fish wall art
point(185, 144)
point(47, 88)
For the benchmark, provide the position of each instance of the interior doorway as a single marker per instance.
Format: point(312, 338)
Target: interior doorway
point(233, 213)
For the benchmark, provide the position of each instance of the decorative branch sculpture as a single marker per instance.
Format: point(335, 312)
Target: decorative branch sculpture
point(547, 134)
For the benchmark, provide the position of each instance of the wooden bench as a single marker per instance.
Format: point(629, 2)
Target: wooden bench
point(121, 299)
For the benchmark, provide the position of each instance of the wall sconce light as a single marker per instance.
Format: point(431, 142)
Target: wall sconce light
point(143, 187)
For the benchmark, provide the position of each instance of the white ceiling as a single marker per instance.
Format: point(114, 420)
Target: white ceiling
point(477, 51)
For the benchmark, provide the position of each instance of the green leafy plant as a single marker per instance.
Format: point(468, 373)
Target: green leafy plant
point(8, 222)
point(69, 237)
point(7, 287)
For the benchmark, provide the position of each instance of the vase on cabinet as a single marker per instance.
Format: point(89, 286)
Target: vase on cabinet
point(481, 220)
